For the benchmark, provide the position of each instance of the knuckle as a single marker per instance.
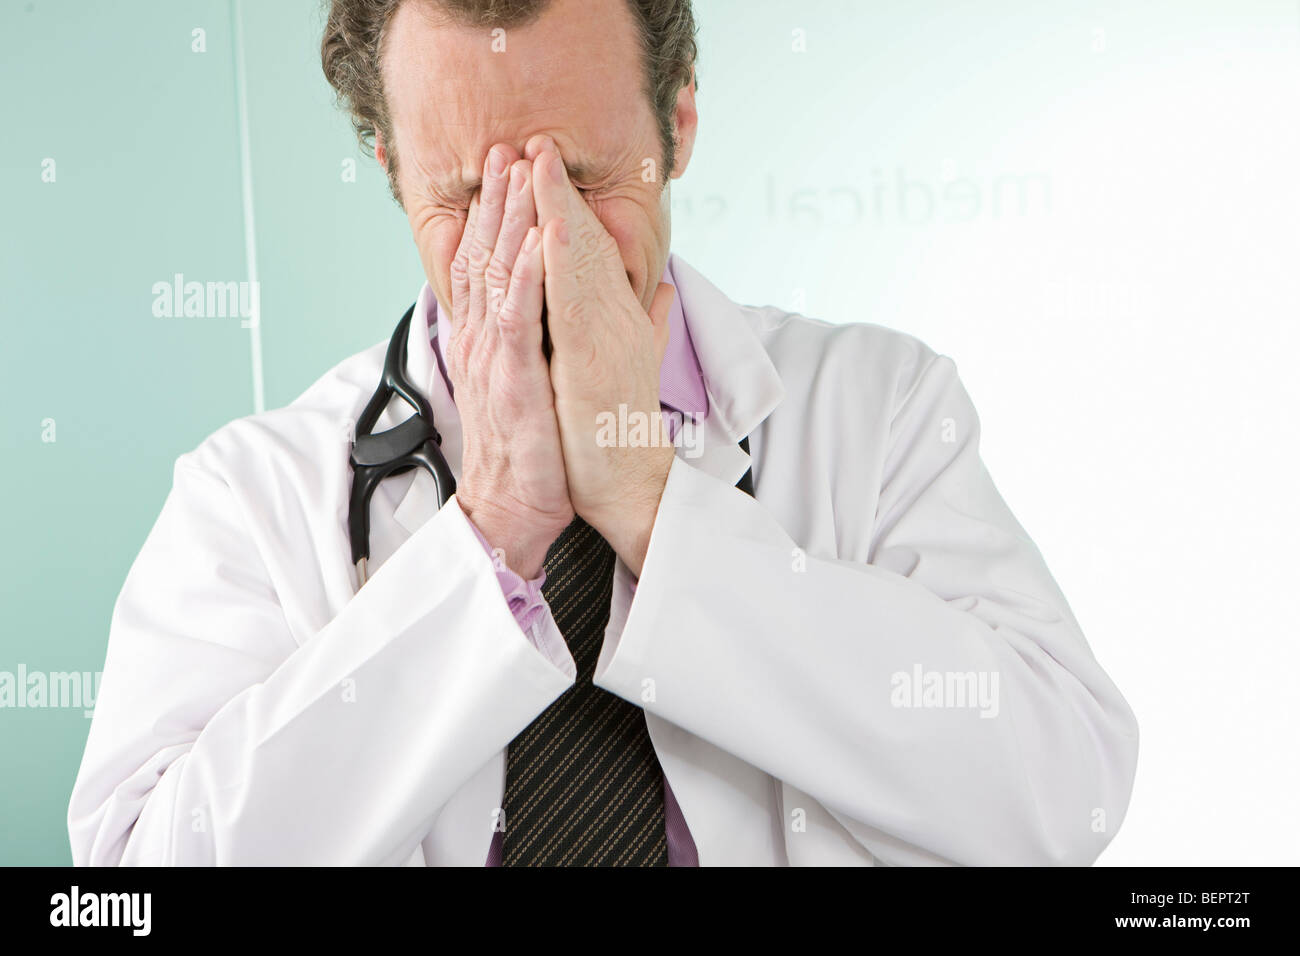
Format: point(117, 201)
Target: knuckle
point(585, 258)
point(523, 269)
point(586, 359)
point(497, 273)
point(510, 214)
point(603, 241)
point(479, 254)
point(509, 325)
point(511, 320)
point(592, 247)
point(519, 172)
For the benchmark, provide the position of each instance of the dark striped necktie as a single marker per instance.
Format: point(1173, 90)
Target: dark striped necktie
point(583, 784)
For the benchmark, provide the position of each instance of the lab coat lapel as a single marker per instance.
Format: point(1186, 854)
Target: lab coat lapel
point(742, 383)
point(731, 807)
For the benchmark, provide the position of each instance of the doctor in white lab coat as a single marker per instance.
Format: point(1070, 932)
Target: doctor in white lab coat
point(866, 662)
point(257, 708)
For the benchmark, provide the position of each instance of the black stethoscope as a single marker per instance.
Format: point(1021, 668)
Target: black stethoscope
point(413, 444)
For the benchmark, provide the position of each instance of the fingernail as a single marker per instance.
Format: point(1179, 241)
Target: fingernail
point(557, 169)
point(530, 240)
point(496, 163)
point(562, 233)
point(518, 178)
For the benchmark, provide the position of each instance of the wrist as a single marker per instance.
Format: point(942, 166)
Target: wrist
point(522, 539)
point(628, 524)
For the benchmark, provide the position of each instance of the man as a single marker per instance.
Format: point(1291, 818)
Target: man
point(597, 652)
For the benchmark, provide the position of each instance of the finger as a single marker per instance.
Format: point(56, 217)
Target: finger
point(519, 323)
point(470, 319)
point(460, 338)
point(559, 282)
point(492, 197)
point(554, 193)
point(460, 271)
point(565, 296)
point(660, 308)
point(538, 144)
point(556, 198)
point(519, 216)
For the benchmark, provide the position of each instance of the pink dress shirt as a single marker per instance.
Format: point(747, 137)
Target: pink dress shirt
point(682, 391)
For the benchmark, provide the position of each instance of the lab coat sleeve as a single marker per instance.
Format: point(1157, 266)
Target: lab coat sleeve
point(218, 739)
point(804, 666)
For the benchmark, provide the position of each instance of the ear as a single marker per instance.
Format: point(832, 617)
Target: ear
point(685, 122)
point(381, 151)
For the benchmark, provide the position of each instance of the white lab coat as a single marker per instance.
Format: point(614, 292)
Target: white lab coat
point(256, 708)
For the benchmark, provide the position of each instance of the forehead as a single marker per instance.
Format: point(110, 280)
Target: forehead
point(454, 90)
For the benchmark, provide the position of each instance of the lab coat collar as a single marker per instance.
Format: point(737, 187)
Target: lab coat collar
point(742, 383)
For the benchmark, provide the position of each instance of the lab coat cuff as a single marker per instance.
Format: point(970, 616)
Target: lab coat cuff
point(620, 606)
point(544, 634)
point(524, 597)
point(540, 631)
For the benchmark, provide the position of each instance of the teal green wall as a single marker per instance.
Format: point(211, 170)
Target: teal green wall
point(144, 134)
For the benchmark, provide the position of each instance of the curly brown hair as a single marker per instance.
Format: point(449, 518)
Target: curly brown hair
point(354, 38)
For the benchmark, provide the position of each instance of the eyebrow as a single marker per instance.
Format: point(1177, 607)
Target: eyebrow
point(462, 189)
